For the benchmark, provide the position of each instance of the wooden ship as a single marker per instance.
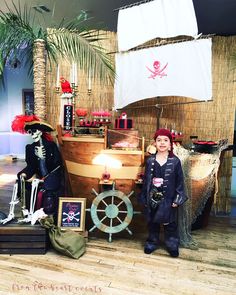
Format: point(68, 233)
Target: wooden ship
point(85, 172)
point(93, 168)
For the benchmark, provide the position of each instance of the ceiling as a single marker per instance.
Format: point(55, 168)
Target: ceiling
point(213, 16)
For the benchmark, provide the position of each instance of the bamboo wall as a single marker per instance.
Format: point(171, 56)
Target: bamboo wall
point(213, 120)
point(101, 97)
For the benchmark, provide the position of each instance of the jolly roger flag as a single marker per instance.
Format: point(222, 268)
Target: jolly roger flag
point(181, 69)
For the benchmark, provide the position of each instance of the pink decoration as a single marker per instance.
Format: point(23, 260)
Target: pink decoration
point(101, 114)
point(157, 71)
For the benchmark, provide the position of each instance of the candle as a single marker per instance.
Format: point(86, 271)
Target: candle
point(75, 74)
point(58, 76)
point(71, 74)
point(89, 81)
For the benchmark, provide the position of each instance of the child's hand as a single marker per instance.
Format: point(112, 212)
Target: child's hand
point(174, 205)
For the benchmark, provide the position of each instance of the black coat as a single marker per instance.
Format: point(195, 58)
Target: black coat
point(173, 190)
point(52, 161)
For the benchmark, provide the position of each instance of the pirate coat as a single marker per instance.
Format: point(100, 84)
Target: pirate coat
point(173, 190)
point(52, 161)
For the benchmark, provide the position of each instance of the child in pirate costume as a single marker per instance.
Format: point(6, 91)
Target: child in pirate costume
point(43, 161)
point(162, 193)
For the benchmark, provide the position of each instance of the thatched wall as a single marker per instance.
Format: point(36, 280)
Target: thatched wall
point(212, 120)
point(101, 97)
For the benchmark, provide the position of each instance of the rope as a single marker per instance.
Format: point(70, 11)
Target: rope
point(133, 4)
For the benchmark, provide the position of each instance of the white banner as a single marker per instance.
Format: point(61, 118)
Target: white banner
point(159, 18)
point(181, 69)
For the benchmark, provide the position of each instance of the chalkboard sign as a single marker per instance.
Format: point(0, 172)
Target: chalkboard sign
point(68, 117)
point(28, 101)
point(71, 213)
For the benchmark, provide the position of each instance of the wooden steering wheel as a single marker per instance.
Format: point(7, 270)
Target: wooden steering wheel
point(111, 212)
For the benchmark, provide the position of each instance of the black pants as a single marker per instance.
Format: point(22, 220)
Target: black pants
point(171, 236)
point(153, 233)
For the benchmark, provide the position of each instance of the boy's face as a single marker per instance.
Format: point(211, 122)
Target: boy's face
point(163, 143)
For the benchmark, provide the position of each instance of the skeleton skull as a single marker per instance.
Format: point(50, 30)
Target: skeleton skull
point(35, 134)
point(71, 215)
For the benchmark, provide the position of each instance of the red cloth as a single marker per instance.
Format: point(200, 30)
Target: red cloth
point(163, 132)
point(39, 200)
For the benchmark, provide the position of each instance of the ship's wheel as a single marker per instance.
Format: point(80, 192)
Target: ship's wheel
point(111, 212)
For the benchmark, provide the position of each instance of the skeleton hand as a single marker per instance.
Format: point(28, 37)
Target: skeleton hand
point(40, 152)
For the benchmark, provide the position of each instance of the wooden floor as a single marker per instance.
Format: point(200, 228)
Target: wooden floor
point(121, 267)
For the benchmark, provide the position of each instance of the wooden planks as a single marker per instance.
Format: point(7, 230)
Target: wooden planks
point(121, 267)
point(17, 238)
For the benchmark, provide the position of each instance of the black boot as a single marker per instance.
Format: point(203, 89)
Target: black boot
point(172, 239)
point(50, 204)
point(152, 242)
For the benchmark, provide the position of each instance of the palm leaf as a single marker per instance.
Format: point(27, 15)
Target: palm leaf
point(18, 30)
point(19, 36)
point(84, 48)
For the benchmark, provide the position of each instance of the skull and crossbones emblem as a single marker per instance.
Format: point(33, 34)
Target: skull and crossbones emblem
point(70, 216)
point(157, 70)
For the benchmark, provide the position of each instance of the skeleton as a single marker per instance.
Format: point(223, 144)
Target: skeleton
point(40, 152)
point(70, 216)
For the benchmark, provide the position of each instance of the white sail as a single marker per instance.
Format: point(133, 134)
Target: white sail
point(180, 69)
point(155, 19)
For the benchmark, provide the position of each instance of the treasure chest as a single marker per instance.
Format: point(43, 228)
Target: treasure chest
point(18, 238)
point(123, 139)
point(123, 122)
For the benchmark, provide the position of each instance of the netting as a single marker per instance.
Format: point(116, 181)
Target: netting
point(200, 172)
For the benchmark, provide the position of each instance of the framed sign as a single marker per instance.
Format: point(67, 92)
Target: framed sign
point(28, 101)
point(71, 213)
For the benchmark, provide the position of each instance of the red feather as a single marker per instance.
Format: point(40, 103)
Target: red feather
point(18, 124)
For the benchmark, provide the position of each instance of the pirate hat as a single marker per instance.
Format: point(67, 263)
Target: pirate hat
point(39, 125)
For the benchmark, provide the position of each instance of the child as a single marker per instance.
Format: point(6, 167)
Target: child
point(162, 192)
